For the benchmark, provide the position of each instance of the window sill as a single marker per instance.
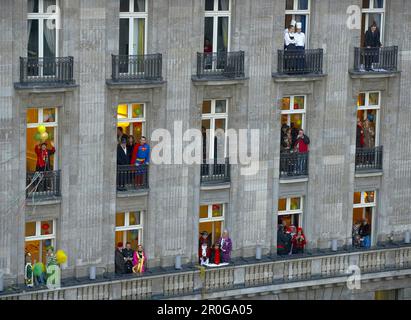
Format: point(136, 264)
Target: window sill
point(293, 180)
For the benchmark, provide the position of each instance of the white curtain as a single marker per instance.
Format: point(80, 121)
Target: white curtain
point(49, 38)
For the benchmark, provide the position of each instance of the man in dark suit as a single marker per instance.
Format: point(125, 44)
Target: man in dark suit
point(123, 159)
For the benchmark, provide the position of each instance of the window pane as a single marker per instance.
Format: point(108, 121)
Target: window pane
point(303, 19)
point(139, 35)
point(206, 107)
point(217, 210)
point(120, 221)
point(205, 127)
point(220, 106)
point(374, 17)
point(30, 229)
point(137, 110)
point(282, 204)
point(357, 197)
point(208, 34)
point(137, 131)
point(209, 5)
point(133, 238)
point(119, 237)
point(289, 5)
point(298, 103)
point(223, 5)
point(139, 5)
point(49, 43)
point(33, 6)
point(31, 142)
point(219, 140)
point(213, 229)
point(361, 100)
point(49, 6)
point(203, 212)
point(365, 4)
point(295, 203)
point(124, 37)
point(296, 121)
point(124, 5)
point(33, 247)
point(284, 120)
point(288, 19)
point(374, 98)
point(122, 111)
point(222, 34)
point(285, 103)
point(134, 218)
point(302, 4)
point(33, 39)
point(378, 4)
point(46, 227)
point(49, 115)
point(369, 197)
point(32, 115)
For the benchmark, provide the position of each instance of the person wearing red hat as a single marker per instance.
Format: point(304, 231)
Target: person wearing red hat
point(119, 259)
point(298, 241)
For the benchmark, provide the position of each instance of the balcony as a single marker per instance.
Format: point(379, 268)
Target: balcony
point(48, 72)
point(215, 173)
point(293, 165)
point(43, 185)
point(145, 68)
point(220, 66)
point(375, 60)
point(368, 159)
point(319, 271)
point(308, 63)
point(132, 178)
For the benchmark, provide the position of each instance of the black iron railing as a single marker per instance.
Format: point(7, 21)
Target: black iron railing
point(43, 184)
point(131, 177)
point(368, 159)
point(51, 70)
point(293, 164)
point(214, 172)
point(146, 67)
point(376, 59)
point(220, 64)
point(308, 61)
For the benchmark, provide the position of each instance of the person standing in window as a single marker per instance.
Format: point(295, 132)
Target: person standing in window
point(141, 159)
point(293, 23)
point(128, 254)
point(365, 233)
point(301, 146)
point(360, 135)
point(226, 246)
point(289, 51)
point(131, 142)
point(299, 37)
point(298, 241)
point(139, 260)
point(43, 156)
point(123, 159)
point(119, 259)
point(372, 45)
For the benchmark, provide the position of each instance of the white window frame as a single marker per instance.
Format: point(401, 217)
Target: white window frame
point(295, 12)
point(42, 16)
point(213, 116)
point(377, 107)
point(371, 9)
point(215, 14)
point(288, 210)
point(130, 118)
point(292, 111)
point(39, 237)
point(372, 205)
point(132, 16)
point(210, 217)
point(47, 125)
point(128, 227)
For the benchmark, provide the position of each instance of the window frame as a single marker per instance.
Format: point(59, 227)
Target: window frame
point(292, 111)
point(213, 116)
point(128, 227)
point(210, 218)
point(306, 13)
point(372, 10)
point(288, 211)
point(130, 118)
point(215, 14)
point(363, 205)
point(377, 107)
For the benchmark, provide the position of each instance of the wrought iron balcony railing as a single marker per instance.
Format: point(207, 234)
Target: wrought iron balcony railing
point(147, 67)
point(47, 70)
point(368, 159)
point(296, 62)
point(132, 178)
point(376, 59)
point(215, 173)
point(43, 185)
point(293, 164)
point(220, 64)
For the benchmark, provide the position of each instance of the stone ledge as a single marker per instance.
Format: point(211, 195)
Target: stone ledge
point(369, 174)
point(280, 77)
point(293, 180)
point(45, 88)
point(131, 194)
point(218, 81)
point(40, 202)
point(372, 74)
point(134, 84)
point(219, 186)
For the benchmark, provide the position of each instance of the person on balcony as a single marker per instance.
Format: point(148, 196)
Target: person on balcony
point(141, 159)
point(131, 142)
point(298, 241)
point(360, 135)
point(301, 146)
point(215, 257)
point(208, 54)
point(139, 260)
point(128, 254)
point(226, 246)
point(119, 259)
point(43, 164)
point(365, 234)
point(372, 45)
point(204, 248)
point(283, 240)
point(369, 134)
point(289, 51)
point(299, 37)
point(293, 23)
point(123, 159)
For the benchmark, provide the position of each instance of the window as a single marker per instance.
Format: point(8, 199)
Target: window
point(43, 34)
point(214, 129)
point(133, 30)
point(129, 228)
point(368, 118)
point(217, 26)
point(37, 117)
point(292, 120)
point(290, 211)
point(212, 220)
point(38, 236)
point(299, 11)
point(131, 118)
point(363, 209)
point(372, 11)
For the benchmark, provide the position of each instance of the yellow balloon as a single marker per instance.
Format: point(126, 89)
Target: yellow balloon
point(44, 136)
point(61, 257)
point(41, 129)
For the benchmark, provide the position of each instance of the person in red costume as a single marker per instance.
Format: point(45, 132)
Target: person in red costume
point(299, 241)
point(216, 254)
point(43, 156)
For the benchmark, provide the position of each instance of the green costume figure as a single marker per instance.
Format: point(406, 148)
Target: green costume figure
point(53, 270)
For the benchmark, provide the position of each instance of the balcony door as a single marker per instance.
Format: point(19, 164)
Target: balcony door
point(372, 11)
